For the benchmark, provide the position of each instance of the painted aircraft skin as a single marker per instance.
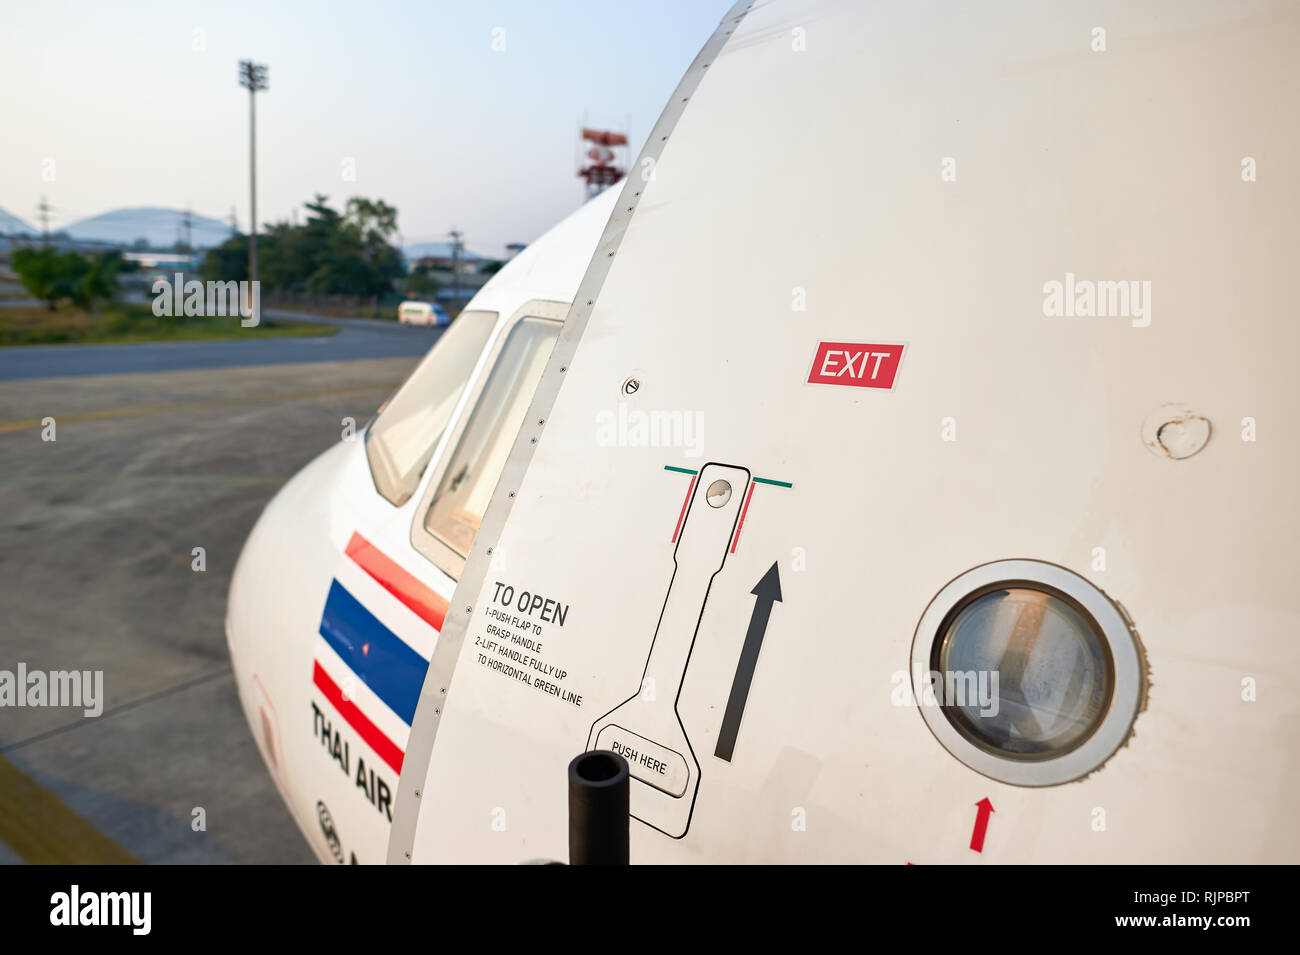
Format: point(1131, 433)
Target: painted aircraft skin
point(976, 359)
point(320, 558)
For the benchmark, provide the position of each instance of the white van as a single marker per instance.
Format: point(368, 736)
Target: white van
point(422, 313)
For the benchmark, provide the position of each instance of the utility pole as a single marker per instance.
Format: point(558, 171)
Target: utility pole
point(252, 77)
point(44, 210)
point(455, 265)
point(187, 220)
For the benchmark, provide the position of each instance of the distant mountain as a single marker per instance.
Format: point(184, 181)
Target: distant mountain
point(161, 228)
point(12, 225)
point(439, 250)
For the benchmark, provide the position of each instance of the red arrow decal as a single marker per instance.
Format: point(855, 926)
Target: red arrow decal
point(981, 824)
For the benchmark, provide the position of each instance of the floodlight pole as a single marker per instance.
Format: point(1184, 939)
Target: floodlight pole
point(253, 77)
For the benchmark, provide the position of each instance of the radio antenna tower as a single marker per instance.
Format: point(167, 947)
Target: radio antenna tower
point(603, 170)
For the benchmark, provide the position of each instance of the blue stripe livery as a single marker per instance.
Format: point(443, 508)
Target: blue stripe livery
point(382, 660)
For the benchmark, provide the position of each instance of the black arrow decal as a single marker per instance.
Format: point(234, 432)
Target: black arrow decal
point(768, 591)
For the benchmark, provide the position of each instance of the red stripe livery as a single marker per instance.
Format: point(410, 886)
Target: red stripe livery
point(369, 732)
point(421, 600)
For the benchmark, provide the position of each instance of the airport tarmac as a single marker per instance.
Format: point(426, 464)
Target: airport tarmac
point(97, 531)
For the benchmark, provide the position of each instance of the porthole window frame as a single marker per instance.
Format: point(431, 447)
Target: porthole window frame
point(1112, 625)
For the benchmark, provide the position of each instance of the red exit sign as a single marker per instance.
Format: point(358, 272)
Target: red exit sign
point(851, 363)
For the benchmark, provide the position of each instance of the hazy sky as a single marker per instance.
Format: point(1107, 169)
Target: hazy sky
point(138, 104)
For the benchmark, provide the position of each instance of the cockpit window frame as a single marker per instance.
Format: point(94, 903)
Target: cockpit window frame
point(382, 475)
point(446, 559)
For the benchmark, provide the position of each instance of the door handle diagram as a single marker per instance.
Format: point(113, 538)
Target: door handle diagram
point(646, 729)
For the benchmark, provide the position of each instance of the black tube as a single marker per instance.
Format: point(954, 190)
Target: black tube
point(598, 809)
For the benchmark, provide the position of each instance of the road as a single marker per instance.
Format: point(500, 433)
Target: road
point(97, 530)
point(357, 338)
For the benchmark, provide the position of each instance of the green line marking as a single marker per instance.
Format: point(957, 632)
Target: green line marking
point(757, 480)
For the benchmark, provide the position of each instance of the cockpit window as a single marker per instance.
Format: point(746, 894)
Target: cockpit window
point(474, 468)
point(401, 440)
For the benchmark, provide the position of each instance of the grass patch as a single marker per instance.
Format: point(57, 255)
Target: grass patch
point(37, 325)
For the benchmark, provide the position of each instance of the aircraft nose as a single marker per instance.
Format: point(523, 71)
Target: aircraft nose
point(276, 593)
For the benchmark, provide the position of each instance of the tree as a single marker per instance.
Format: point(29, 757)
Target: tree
point(377, 220)
point(49, 274)
point(420, 281)
point(98, 279)
point(228, 262)
point(330, 254)
point(375, 223)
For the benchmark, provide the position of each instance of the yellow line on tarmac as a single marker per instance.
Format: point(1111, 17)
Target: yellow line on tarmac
point(35, 423)
point(42, 830)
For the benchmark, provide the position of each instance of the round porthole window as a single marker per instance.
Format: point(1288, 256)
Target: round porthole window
point(1026, 672)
